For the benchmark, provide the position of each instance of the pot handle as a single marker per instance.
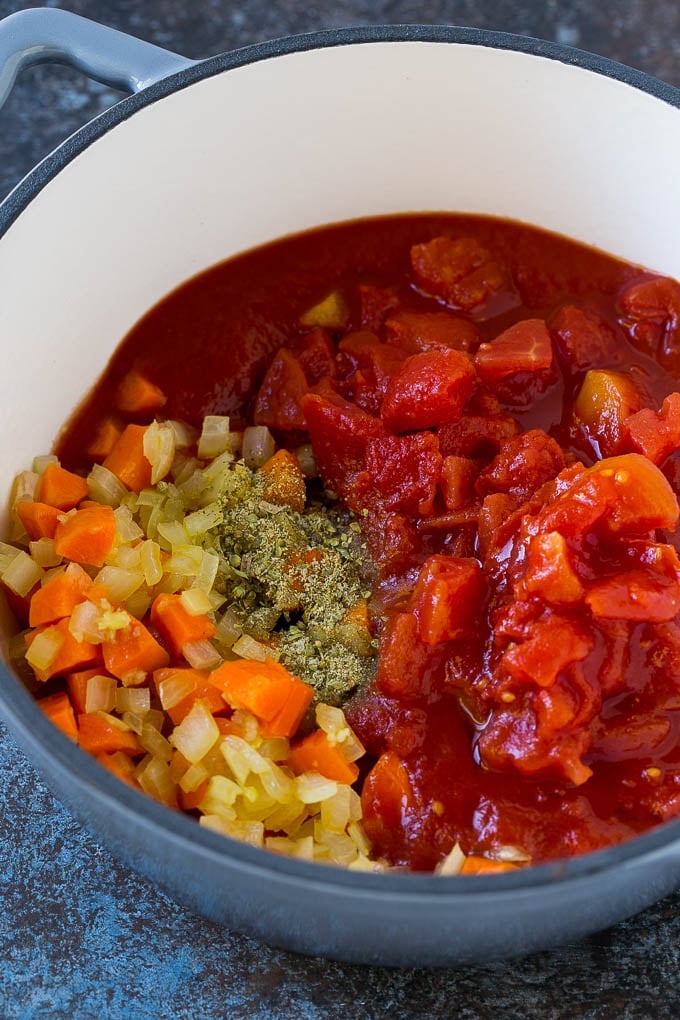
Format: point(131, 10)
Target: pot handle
point(40, 35)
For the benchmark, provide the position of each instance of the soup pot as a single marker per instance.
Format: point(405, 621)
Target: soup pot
point(211, 158)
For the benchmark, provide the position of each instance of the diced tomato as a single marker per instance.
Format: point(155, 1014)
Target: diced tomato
point(385, 798)
point(524, 347)
point(636, 595)
point(549, 571)
point(654, 433)
point(430, 331)
point(644, 499)
point(524, 463)
point(582, 339)
point(428, 389)
point(457, 481)
point(404, 472)
point(316, 353)
point(494, 511)
point(339, 432)
point(375, 303)
point(278, 400)
point(554, 644)
point(464, 274)
point(649, 311)
point(377, 361)
point(606, 399)
point(392, 541)
point(476, 435)
point(447, 599)
point(405, 661)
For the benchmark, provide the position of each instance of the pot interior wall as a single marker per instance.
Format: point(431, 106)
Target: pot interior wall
point(304, 139)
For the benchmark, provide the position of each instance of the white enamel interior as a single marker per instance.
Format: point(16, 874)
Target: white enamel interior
point(304, 139)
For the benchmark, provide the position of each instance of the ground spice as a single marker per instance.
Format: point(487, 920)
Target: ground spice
point(292, 577)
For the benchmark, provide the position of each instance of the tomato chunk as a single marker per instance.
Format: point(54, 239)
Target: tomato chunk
point(554, 644)
point(339, 432)
point(278, 400)
point(524, 347)
point(644, 498)
point(430, 331)
point(428, 389)
point(464, 274)
point(582, 339)
point(655, 433)
point(523, 464)
point(447, 599)
point(404, 471)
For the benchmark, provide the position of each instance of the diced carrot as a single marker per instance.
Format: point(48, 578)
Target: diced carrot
point(76, 684)
point(190, 801)
point(120, 764)
point(59, 597)
point(61, 488)
point(105, 438)
point(473, 865)
point(133, 650)
point(202, 688)
point(59, 710)
point(284, 482)
point(72, 655)
point(315, 753)
point(286, 722)
point(177, 627)
point(39, 519)
point(276, 697)
point(87, 535)
point(137, 394)
point(99, 735)
point(127, 461)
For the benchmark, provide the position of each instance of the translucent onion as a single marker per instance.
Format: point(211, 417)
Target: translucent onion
point(120, 584)
point(201, 654)
point(159, 449)
point(133, 699)
point(22, 574)
point(248, 648)
point(43, 552)
point(43, 461)
point(193, 777)
point(155, 779)
point(105, 487)
point(84, 623)
point(185, 435)
point(207, 572)
point(24, 488)
point(196, 734)
point(175, 688)
point(153, 741)
point(100, 694)
point(195, 601)
point(127, 529)
point(44, 648)
point(312, 788)
point(258, 445)
point(452, 863)
point(214, 437)
point(152, 565)
point(305, 456)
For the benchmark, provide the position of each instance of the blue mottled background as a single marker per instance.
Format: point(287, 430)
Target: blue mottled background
point(81, 936)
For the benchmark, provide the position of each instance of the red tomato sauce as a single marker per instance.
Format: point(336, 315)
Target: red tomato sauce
point(498, 407)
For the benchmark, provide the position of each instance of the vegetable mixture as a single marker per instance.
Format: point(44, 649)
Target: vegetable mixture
point(405, 592)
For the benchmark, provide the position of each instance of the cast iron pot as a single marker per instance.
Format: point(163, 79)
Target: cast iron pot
point(211, 158)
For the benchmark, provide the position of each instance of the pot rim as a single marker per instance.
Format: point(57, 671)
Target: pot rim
point(19, 707)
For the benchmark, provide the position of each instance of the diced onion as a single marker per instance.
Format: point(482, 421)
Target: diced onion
point(201, 654)
point(193, 777)
point(196, 734)
point(155, 779)
point(258, 445)
point(159, 449)
point(105, 487)
point(84, 623)
point(313, 788)
point(133, 699)
point(43, 552)
point(195, 601)
point(43, 461)
point(44, 648)
point(127, 529)
point(153, 741)
point(100, 694)
point(305, 456)
point(119, 583)
point(24, 489)
point(248, 648)
point(152, 565)
point(185, 435)
point(22, 574)
point(175, 688)
point(452, 863)
point(214, 437)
